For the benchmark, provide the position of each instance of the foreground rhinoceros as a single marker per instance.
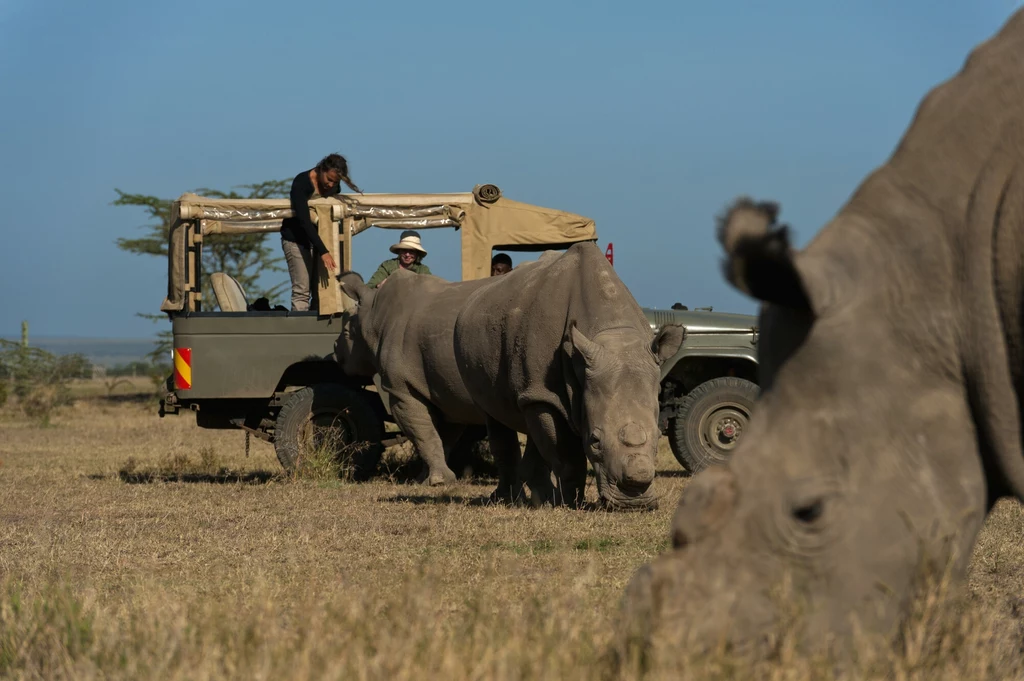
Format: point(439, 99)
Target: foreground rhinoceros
point(559, 349)
point(892, 352)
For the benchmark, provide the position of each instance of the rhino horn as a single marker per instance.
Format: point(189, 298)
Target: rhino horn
point(590, 350)
point(759, 259)
point(632, 435)
point(704, 506)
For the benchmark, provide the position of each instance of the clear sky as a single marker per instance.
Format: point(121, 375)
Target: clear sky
point(645, 116)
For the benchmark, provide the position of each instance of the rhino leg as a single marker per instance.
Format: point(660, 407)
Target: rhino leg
point(450, 433)
point(562, 449)
point(572, 482)
point(537, 474)
point(421, 426)
point(504, 443)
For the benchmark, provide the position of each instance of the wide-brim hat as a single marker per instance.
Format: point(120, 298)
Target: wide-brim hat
point(408, 243)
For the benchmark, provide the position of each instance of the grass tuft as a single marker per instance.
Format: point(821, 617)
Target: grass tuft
point(328, 457)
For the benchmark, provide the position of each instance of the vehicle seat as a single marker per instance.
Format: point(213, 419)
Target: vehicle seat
point(228, 292)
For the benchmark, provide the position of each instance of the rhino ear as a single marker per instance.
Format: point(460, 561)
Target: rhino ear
point(668, 341)
point(759, 258)
point(353, 287)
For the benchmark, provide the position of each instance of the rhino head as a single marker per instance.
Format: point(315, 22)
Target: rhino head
point(860, 465)
point(352, 349)
point(619, 377)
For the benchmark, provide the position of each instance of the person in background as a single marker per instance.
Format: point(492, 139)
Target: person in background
point(300, 239)
point(410, 254)
point(501, 264)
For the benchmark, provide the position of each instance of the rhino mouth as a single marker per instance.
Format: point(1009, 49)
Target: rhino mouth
point(625, 495)
point(646, 502)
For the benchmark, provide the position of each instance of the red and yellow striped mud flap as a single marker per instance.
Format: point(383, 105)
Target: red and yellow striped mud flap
point(183, 368)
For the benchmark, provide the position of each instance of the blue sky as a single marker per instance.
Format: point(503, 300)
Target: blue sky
point(646, 116)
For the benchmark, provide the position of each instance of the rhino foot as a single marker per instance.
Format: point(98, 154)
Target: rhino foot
point(570, 495)
point(542, 495)
point(443, 477)
point(538, 501)
point(506, 495)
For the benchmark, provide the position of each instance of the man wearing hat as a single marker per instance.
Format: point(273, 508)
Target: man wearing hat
point(410, 254)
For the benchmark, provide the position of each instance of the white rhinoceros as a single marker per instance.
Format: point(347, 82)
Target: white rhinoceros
point(892, 359)
point(578, 374)
point(561, 351)
point(403, 331)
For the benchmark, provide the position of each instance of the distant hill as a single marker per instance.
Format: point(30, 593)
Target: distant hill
point(108, 352)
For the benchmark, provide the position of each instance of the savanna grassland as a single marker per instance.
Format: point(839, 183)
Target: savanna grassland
point(134, 547)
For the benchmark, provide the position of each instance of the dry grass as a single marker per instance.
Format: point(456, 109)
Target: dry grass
point(138, 547)
point(116, 387)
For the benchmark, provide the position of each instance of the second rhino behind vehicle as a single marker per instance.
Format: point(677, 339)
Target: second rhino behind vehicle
point(584, 386)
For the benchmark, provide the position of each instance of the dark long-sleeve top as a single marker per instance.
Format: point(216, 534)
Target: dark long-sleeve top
point(300, 228)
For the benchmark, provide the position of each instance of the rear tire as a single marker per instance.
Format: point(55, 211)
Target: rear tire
point(329, 414)
point(711, 420)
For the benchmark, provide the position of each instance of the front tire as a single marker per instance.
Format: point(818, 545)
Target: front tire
point(710, 421)
point(329, 415)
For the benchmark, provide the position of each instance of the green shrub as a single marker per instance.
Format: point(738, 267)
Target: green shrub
point(39, 379)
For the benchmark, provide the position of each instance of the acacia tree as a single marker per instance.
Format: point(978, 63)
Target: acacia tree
point(41, 380)
point(245, 257)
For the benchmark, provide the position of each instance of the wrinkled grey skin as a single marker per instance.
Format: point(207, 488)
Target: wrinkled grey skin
point(403, 331)
point(892, 352)
point(350, 348)
point(420, 326)
point(561, 351)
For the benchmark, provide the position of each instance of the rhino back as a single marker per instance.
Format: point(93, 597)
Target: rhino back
point(936, 166)
point(509, 334)
point(415, 318)
point(931, 241)
point(963, 120)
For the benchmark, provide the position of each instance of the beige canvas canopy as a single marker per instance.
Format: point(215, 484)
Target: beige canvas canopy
point(486, 220)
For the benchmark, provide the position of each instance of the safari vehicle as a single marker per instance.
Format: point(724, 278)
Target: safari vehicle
point(709, 387)
point(273, 374)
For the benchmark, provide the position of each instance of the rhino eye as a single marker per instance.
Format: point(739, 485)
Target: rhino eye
point(808, 513)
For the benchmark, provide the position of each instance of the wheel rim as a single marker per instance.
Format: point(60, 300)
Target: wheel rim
point(326, 428)
point(720, 429)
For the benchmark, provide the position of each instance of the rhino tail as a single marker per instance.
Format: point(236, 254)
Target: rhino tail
point(759, 257)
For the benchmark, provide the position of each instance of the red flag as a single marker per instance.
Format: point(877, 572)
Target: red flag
point(610, 254)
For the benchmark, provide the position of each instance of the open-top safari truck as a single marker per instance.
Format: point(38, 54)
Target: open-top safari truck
point(273, 374)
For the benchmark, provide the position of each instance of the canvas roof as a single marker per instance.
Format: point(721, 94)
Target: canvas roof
point(485, 219)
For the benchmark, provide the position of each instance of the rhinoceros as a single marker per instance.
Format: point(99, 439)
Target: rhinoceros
point(892, 360)
point(561, 351)
point(403, 331)
point(357, 358)
point(350, 348)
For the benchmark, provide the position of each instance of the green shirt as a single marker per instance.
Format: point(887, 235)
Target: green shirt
point(389, 267)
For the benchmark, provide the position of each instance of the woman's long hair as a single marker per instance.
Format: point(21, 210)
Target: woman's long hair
point(337, 163)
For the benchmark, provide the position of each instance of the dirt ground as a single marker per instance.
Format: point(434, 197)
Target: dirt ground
point(138, 547)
